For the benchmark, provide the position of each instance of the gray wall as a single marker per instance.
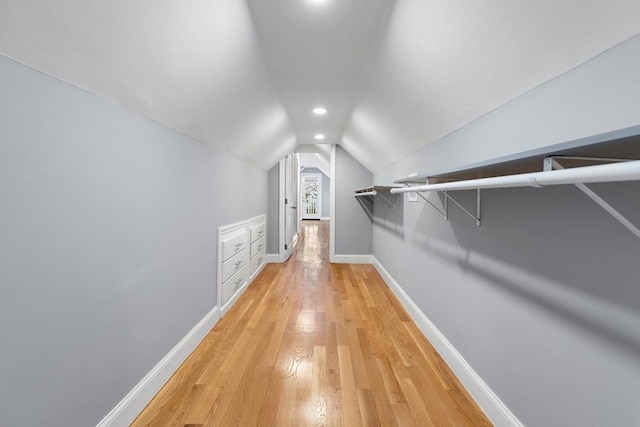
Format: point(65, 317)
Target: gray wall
point(326, 196)
point(273, 222)
point(353, 216)
point(107, 244)
point(326, 191)
point(597, 97)
point(542, 300)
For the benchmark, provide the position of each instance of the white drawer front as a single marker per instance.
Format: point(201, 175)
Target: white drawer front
point(233, 243)
point(234, 264)
point(257, 247)
point(233, 284)
point(257, 231)
point(257, 261)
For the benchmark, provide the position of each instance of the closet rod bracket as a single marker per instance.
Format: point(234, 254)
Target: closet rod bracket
point(552, 163)
point(476, 217)
point(447, 197)
point(391, 205)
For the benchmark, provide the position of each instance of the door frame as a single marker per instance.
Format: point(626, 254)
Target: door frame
point(283, 207)
point(301, 203)
point(332, 206)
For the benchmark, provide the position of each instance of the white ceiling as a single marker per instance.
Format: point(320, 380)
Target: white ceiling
point(244, 76)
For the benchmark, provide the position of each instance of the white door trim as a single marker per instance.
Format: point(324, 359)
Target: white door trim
point(281, 209)
point(332, 207)
point(302, 204)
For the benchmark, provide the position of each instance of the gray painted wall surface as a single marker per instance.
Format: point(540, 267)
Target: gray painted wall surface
point(326, 191)
point(598, 97)
point(542, 300)
point(107, 244)
point(353, 216)
point(326, 196)
point(273, 222)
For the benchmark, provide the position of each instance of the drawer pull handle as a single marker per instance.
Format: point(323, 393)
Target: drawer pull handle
point(238, 281)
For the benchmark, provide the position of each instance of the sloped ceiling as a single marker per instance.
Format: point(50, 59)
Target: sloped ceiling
point(194, 66)
point(243, 77)
point(443, 64)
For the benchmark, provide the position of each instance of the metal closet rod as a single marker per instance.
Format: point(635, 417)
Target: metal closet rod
point(615, 172)
point(368, 193)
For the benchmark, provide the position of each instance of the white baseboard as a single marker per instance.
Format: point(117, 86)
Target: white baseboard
point(272, 258)
point(133, 403)
point(488, 401)
point(325, 218)
point(352, 259)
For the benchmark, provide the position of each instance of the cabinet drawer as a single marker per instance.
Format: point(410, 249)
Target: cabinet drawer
point(233, 284)
point(233, 242)
point(257, 247)
point(234, 264)
point(257, 231)
point(257, 261)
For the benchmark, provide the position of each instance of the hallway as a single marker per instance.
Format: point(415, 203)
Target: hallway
point(311, 343)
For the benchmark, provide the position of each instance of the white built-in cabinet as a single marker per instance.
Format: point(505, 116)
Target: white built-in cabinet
point(241, 256)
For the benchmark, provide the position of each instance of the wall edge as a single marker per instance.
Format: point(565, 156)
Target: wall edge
point(488, 401)
point(137, 399)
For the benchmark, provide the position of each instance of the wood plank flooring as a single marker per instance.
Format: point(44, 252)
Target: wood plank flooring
point(314, 344)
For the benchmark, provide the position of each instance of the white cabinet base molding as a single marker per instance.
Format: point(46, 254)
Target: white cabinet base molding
point(241, 256)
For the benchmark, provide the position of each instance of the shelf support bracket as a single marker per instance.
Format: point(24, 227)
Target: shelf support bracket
point(429, 202)
point(391, 205)
point(551, 163)
point(447, 197)
point(478, 201)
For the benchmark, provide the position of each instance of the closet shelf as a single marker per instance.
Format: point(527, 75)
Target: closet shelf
point(377, 190)
point(622, 144)
point(611, 157)
point(374, 190)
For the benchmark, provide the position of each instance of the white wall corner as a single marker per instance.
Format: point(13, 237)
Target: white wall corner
point(488, 401)
point(133, 403)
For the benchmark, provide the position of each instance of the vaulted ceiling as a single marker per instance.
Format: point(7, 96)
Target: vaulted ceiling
point(244, 76)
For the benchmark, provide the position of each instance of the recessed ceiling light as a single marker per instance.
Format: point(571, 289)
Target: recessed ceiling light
point(319, 111)
point(319, 136)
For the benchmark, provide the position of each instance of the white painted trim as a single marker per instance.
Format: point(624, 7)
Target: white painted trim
point(332, 207)
point(281, 208)
point(301, 191)
point(488, 401)
point(239, 224)
point(273, 258)
point(133, 403)
point(352, 259)
point(258, 271)
point(236, 295)
point(325, 218)
point(240, 291)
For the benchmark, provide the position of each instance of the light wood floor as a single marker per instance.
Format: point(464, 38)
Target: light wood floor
point(314, 344)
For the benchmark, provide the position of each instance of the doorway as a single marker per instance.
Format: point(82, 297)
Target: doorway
point(308, 167)
point(288, 208)
point(311, 195)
